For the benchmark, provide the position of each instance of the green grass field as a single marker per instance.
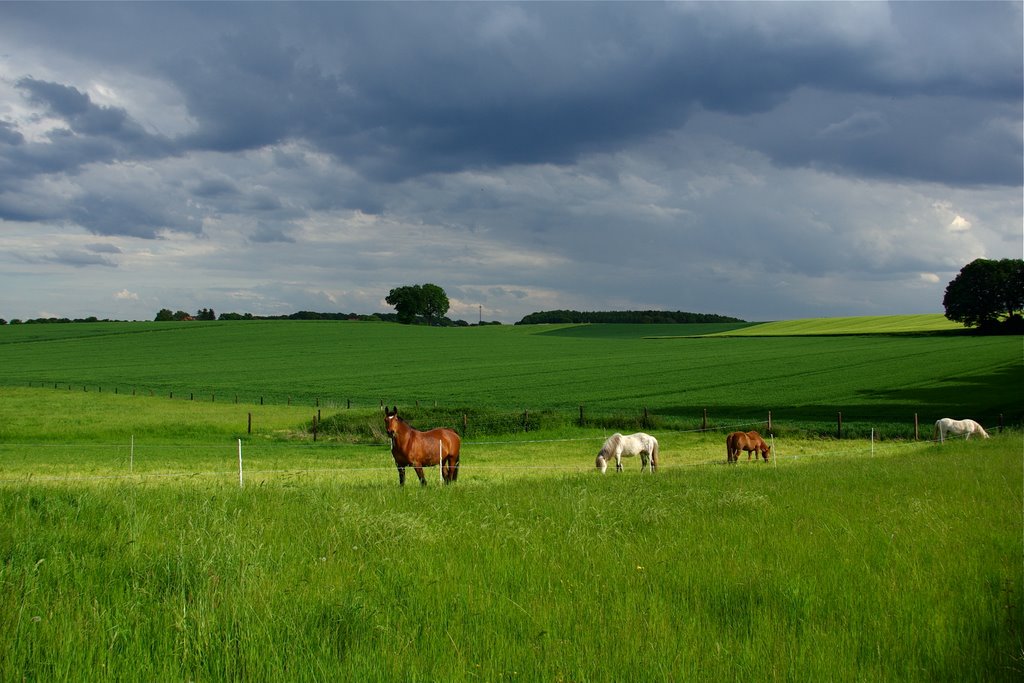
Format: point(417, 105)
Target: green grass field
point(830, 566)
point(131, 548)
point(887, 324)
point(605, 368)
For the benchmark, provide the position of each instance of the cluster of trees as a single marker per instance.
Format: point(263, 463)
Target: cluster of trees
point(989, 295)
point(426, 303)
point(419, 302)
point(165, 315)
point(644, 317)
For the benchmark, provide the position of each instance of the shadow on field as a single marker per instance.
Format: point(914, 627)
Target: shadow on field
point(983, 397)
point(980, 397)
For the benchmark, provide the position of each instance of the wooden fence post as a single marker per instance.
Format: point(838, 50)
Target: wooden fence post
point(250, 424)
point(581, 416)
point(839, 425)
point(769, 422)
point(526, 420)
point(704, 421)
point(314, 427)
point(646, 423)
point(465, 424)
point(917, 429)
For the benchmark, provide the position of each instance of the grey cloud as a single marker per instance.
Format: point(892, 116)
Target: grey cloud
point(211, 188)
point(89, 119)
point(104, 248)
point(79, 259)
point(128, 216)
point(620, 152)
point(402, 90)
point(268, 233)
point(9, 135)
point(95, 134)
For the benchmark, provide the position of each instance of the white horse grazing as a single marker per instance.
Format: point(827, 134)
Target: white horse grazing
point(956, 428)
point(617, 445)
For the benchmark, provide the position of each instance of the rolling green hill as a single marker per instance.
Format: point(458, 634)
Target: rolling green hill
point(602, 367)
point(884, 324)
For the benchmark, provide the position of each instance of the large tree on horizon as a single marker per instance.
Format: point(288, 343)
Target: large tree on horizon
point(986, 291)
point(428, 300)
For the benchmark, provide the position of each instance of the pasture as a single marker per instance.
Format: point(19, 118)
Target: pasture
point(131, 550)
point(835, 562)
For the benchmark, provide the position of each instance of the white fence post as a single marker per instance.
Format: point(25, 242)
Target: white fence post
point(240, 485)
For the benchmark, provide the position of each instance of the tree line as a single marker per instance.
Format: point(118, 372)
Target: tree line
point(986, 294)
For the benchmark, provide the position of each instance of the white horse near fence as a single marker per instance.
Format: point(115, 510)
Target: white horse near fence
point(957, 427)
point(617, 445)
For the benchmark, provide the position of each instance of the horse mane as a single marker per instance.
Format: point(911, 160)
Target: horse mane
point(610, 444)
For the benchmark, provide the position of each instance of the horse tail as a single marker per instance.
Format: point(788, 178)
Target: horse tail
point(938, 430)
point(654, 454)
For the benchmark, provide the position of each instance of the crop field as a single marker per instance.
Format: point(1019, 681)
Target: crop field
point(667, 369)
point(135, 545)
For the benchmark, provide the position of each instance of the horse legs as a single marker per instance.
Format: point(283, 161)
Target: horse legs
point(618, 462)
point(401, 475)
point(419, 473)
point(450, 469)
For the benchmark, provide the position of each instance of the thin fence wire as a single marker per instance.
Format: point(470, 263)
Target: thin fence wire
point(139, 448)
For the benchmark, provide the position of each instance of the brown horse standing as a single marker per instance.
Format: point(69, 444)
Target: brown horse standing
point(422, 449)
point(751, 442)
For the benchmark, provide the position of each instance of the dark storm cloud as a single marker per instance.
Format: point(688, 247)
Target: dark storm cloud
point(562, 154)
point(397, 90)
point(93, 134)
point(132, 216)
point(215, 187)
point(9, 135)
point(90, 120)
point(77, 258)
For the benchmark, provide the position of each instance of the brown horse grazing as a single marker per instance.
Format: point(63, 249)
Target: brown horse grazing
point(422, 449)
point(751, 442)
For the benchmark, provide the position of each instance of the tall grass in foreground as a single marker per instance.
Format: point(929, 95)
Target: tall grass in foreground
point(900, 567)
